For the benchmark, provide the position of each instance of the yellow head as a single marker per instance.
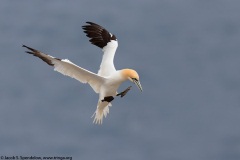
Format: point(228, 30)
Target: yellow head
point(133, 76)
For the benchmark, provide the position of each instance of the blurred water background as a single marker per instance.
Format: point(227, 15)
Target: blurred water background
point(187, 55)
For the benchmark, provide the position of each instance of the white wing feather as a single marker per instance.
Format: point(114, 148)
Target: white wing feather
point(70, 69)
point(107, 65)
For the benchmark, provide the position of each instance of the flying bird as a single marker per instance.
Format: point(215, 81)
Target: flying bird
point(107, 81)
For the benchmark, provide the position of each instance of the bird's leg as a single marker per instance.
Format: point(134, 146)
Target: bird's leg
point(123, 93)
point(108, 99)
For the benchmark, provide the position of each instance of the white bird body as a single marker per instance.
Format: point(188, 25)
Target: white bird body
point(108, 79)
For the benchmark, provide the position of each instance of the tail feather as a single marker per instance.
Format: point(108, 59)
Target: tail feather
point(102, 110)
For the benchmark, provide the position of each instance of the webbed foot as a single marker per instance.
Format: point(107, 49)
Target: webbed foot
point(123, 93)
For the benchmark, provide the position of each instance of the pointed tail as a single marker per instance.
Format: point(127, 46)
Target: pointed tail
point(102, 110)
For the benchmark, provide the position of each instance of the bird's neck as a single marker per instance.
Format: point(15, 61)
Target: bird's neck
point(118, 76)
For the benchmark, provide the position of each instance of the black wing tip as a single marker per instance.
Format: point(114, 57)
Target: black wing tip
point(113, 37)
point(31, 49)
point(89, 24)
point(29, 52)
point(92, 23)
point(25, 46)
point(40, 55)
point(98, 35)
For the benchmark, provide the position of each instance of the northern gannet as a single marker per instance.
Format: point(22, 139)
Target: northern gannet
point(107, 80)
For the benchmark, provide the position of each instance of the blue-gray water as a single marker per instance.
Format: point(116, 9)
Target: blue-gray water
point(187, 53)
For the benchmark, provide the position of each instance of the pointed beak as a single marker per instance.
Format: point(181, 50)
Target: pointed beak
point(138, 84)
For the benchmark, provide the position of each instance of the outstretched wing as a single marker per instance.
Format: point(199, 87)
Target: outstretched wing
point(68, 68)
point(100, 37)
